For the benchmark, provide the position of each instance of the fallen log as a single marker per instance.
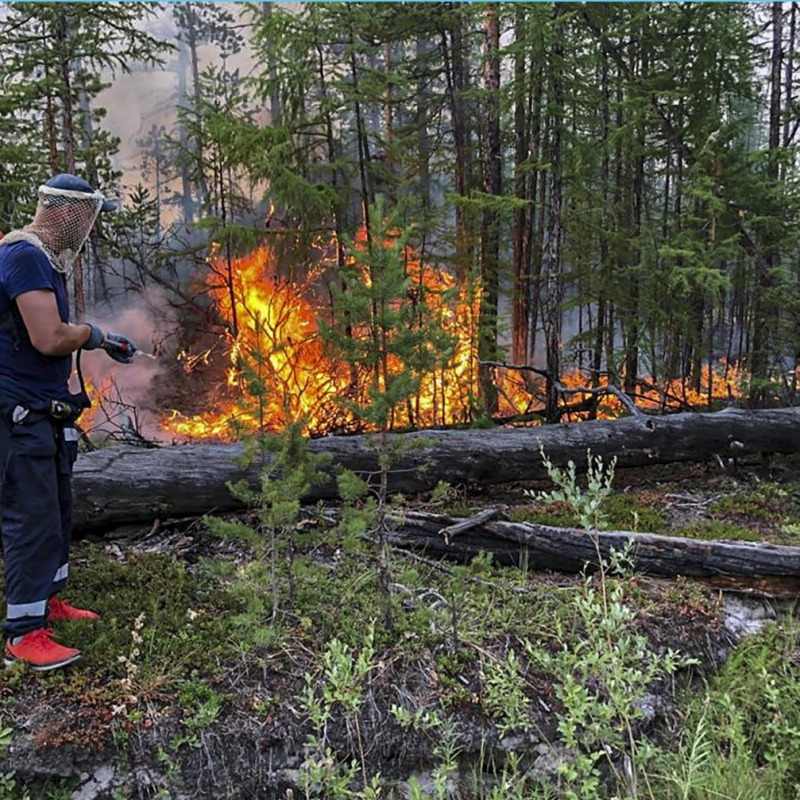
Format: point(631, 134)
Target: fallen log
point(123, 484)
point(757, 567)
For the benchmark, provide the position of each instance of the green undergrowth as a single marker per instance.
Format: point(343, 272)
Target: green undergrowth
point(285, 616)
point(739, 738)
point(332, 591)
point(710, 529)
point(172, 634)
point(768, 511)
point(182, 614)
point(499, 641)
point(625, 512)
point(158, 620)
point(766, 502)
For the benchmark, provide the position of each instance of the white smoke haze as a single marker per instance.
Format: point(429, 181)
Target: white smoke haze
point(122, 395)
point(144, 98)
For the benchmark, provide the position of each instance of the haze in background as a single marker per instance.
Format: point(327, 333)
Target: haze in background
point(149, 97)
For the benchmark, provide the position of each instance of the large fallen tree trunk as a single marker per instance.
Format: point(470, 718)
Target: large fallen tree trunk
point(125, 484)
point(753, 566)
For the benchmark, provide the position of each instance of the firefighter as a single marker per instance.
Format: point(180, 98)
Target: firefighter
point(37, 413)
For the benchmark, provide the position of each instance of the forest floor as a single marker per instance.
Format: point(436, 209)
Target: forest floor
point(247, 667)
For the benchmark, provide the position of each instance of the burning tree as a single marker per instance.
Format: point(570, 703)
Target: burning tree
point(397, 345)
point(391, 328)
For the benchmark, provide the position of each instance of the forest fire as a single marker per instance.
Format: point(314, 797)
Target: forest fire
point(719, 383)
point(277, 369)
point(280, 369)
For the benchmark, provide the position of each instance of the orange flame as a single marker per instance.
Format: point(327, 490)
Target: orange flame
point(277, 369)
point(280, 370)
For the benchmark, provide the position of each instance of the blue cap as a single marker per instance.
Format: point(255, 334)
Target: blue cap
point(72, 183)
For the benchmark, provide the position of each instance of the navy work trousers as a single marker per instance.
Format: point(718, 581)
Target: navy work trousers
point(37, 521)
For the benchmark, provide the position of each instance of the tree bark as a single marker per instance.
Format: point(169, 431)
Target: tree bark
point(554, 288)
point(455, 55)
point(521, 253)
point(604, 285)
point(123, 484)
point(788, 80)
point(490, 224)
point(766, 313)
point(757, 566)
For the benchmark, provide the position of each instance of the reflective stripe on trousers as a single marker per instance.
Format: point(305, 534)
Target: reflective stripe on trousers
point(37, 522)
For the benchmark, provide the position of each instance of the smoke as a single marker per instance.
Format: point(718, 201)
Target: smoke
point(145, 98)
point(122, 395)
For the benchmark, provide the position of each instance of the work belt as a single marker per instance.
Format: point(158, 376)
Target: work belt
point(59, 411)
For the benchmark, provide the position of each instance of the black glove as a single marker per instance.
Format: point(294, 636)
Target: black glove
point(119, 347)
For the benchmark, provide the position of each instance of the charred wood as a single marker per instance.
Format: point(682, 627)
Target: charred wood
point(757, 567)
point(124, 484)
point(461, 525)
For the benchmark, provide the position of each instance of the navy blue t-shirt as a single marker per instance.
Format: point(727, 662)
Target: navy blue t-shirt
point(26, 374)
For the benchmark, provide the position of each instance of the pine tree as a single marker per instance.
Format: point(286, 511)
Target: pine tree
point(394, 339)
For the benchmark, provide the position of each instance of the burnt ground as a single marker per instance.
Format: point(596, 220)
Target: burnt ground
point(202, 695)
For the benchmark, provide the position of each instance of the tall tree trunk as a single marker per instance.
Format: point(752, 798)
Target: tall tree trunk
point(456, 84)
point(226, 218)
point(632, 328)
point(551, 314)
point(336, 182)
point(274, 97)
point(187, 194)
point(619, 231)
point(52, 135)
point(540, 136)
point(95, 285)
point(531, 252)
point(65, 76)
point(788, 136)
point(765, 312)
point(193, 43)
point(422, 124)
point(674, 368)
point(788, 88)
point(361, 139)
point(490, 228)
point(388, 122)
point(68, 140)
point(605, 219)
point(520, 312)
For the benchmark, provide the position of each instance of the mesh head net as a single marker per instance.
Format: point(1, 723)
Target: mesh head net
point(63, 222)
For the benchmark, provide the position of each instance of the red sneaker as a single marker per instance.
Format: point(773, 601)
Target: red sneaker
point(59, 610)
point(39, 651)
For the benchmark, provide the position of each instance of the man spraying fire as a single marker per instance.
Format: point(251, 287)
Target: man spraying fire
point(38, 443)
